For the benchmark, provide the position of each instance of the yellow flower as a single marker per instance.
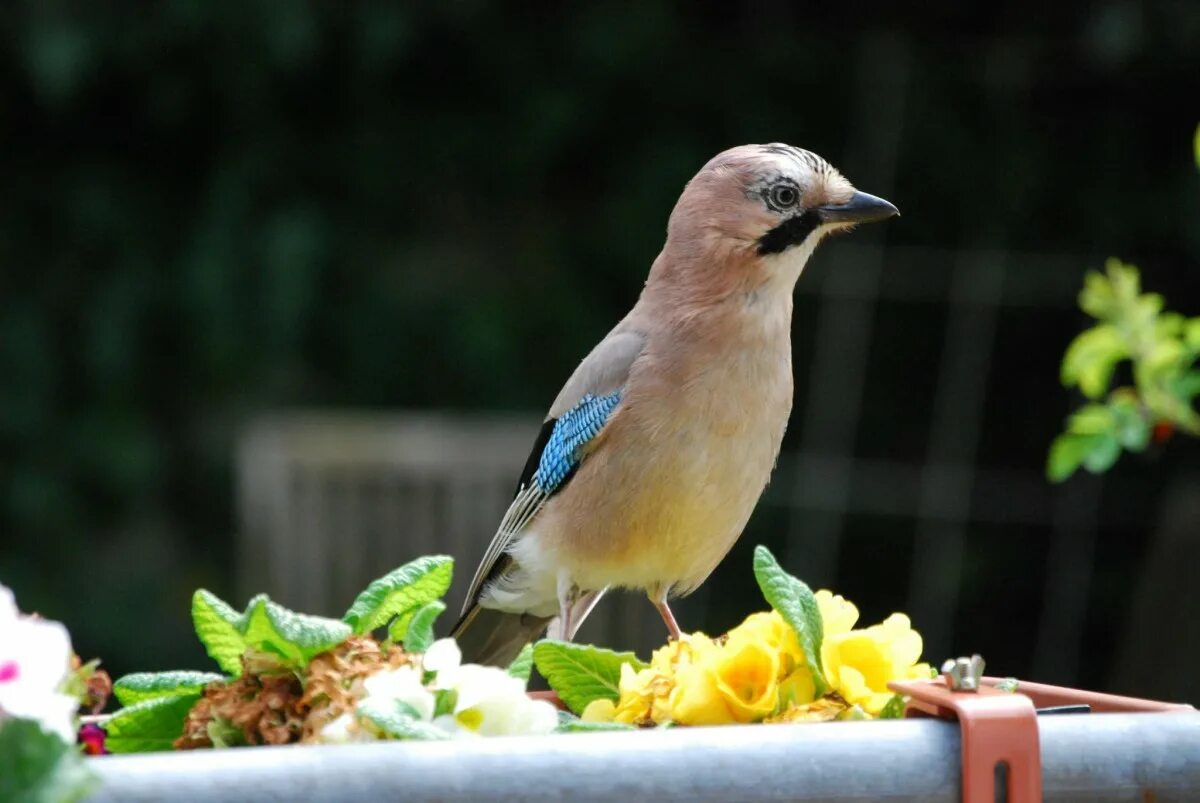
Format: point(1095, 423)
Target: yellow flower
point(860, 663)
point(771, 630)
point(599, 710)
point(798, 688)
point(637, 695)
point(838, 614)
point(737, 681)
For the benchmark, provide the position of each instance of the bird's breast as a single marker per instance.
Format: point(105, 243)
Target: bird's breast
point(680, 469)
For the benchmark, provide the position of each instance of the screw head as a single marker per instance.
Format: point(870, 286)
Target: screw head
point(963, 674)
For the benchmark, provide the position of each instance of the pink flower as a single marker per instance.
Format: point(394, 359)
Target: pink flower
point(35, 660)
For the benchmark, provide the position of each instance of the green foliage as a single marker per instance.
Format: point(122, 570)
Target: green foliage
point(397, 720)
point(1162, 349)
point(420, 629)
point(581, 673)
point(150, 726)
point(39, 767)
point(295, 638)
point(399, 594)
point(140, 686)
point(264, 628)
point(797, 604)
point(275, 638)
point(894, 708)
point(569, 723)
point(216, 626)
point(522, 666)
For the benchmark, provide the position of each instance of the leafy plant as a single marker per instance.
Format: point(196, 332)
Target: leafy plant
point(797, 604)
point(581, 673)
point(1161, 348)
point(37, 765)
point(268, 638)
point(397, 596)
point(754, 673)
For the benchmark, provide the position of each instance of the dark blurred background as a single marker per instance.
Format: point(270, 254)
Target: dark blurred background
point(265, 263)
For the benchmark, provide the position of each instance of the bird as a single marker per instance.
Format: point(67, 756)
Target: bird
point(657, 448)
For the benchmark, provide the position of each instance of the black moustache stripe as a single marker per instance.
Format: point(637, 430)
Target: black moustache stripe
point(792, 231)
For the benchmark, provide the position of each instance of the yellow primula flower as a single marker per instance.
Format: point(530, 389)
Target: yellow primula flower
point(746, 675)
point(599, 710)
point(798, 688)
point(770, 629)
point(738, 680)
point(860, 663)
point(838, 614)
point(758, 672)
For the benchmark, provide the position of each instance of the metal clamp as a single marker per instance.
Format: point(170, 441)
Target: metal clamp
point(1000, 746)
point(1000, 742)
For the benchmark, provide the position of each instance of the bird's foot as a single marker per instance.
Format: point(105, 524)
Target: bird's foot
point(664, 610)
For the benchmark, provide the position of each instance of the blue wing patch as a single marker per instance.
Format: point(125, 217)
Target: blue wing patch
point(571, 433)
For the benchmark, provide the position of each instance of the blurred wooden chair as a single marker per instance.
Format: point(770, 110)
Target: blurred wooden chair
point(328, 501)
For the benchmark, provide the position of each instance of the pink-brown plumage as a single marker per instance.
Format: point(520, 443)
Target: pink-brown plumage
point(703, 364)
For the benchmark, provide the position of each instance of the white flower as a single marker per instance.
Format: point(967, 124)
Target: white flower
point(35, 659)
point(490, 702)
point(404, 685)
point(443, 654)
point(344, 730)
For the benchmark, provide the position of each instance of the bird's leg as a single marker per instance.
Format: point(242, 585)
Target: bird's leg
point(567, 593)
point(664, 610)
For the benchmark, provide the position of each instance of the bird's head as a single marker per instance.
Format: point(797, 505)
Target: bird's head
point(766, 206)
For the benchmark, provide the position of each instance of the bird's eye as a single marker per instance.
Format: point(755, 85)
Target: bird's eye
point(784, 196)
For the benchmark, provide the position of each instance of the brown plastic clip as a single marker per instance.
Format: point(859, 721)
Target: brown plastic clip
point(999, 730)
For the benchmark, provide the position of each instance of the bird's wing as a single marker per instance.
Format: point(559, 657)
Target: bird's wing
point(585, 404)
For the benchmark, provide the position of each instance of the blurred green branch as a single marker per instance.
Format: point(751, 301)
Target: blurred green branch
point(1162, 349)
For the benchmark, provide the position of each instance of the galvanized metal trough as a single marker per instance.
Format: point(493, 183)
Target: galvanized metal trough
point(1094, 758)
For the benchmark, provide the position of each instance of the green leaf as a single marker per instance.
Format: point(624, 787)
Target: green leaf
point(444, 701)
point(223, 733)
point(216, 626)
point(1102, 452)
point(149, 726)
point(1097, 298)
point(1133, 428)
point(581, 673)
point(1191, 334)
point(1066, 455)
point(1164, 358)
point(265, 627)
point(894, 708)
point(1196, 146)
point(400, 592)
point(420, 629)
point(37, 766)
point(135, 688)
point(1091, 358)
point(294, 637)
point(797, 604)
point(1187, 386)
point(397, 720)
point(1093, 419)
point(569, 723)
point(522, 665)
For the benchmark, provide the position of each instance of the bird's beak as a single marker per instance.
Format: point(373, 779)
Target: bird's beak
point(861, 208)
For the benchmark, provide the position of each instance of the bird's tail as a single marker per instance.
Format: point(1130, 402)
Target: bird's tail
point(494, 638)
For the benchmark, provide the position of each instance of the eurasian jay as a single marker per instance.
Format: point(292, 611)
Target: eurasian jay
point(659, 445)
